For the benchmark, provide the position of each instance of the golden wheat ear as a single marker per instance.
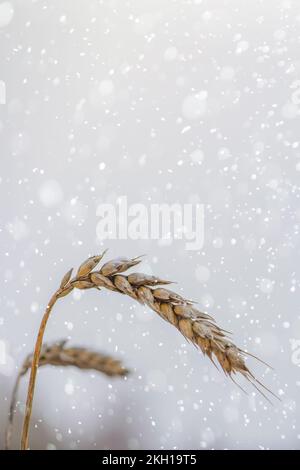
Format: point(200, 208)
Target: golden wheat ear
point(197, 327)
point(57, 354)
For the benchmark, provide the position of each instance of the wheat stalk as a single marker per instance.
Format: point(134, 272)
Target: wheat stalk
point(196, 326)
point(57, 354)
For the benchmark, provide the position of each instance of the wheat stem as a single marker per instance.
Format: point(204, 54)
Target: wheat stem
point(34, 368)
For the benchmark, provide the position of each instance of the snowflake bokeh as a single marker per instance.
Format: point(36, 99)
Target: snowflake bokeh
point(190, 101)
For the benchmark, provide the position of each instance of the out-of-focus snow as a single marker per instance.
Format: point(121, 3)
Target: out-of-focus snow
point(193, 101)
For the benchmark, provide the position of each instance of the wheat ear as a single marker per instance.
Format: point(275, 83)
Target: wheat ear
point(57, 354)
point(197, 327)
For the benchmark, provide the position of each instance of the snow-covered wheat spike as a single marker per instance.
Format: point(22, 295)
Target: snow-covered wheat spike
point(197, 327)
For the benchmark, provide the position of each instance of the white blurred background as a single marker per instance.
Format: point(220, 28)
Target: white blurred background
point(102, 100)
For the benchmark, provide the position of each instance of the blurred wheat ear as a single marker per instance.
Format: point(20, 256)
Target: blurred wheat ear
point(57, 354)
point(197, 327)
